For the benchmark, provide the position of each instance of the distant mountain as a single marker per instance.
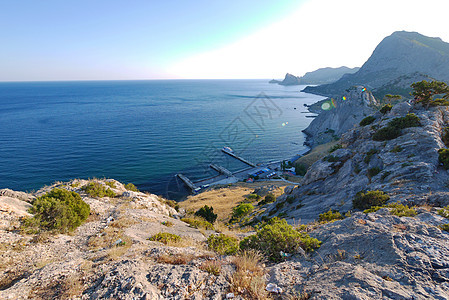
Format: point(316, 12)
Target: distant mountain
point(326, 75)
point(405, 57)
point(288, 80)
point(320, 76)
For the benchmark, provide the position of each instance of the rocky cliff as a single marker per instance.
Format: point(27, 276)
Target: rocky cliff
point(407, 55)
point(326, 75)
point(339, 115)
point(289, 79)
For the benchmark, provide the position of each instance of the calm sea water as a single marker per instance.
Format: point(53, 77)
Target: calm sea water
point(143, 131)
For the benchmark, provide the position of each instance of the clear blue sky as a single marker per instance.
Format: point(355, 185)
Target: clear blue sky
point(107, 39)
point(136, 39)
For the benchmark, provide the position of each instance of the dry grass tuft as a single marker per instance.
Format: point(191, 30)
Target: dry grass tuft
point(212, 267)
point(112, 238)
point(124, 222)
point(248, 279)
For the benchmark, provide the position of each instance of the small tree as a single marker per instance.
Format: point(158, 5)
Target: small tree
point(425, 91)
point(207, 212)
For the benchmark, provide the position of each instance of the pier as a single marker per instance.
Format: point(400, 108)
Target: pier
point(239, 158)
point(187, 182)
point(221, 170)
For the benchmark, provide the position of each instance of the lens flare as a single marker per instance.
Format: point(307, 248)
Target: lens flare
point(344, 98)
point(364, 89)
point(334, 104)
point(326, 106)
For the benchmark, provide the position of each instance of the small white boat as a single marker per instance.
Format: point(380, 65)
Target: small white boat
point(227, 149)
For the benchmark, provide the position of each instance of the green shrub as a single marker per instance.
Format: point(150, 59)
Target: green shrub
point(95, 189)
point(331, 158)
point(165, 238)
point(276, 236)
point(253, 197)
point(207, 213)
point(368, 120)
point(330, 216)
point(444, 227)
point(370, 154)
point(269, 198)
point(396, 149)
point(335, 148)
point(300, 169)
point(444, 212)
point(386, 133)
point(364, 200)
point(59, 210)
point(290, 199)
point(171, 203)
point(373, 172)
point(443, 157)
point(131, 187)
point(110, 184)
point(410, 120)
point(398, 209)
point(223, 244)
point(167, 223)
point(386, 108)
point(393, 129)
point(198, 223)
point(243, 209)
point(445, 136)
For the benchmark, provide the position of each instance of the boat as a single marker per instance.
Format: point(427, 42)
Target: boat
point(227, 149)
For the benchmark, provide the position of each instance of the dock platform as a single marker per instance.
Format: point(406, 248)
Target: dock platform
point(239, 158)
point(187, 182)
point(221, 170)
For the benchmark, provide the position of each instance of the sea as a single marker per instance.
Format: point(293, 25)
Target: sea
point(144, 132)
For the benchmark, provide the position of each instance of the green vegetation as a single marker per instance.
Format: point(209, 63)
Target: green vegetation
point(167, 223)
point(426, 93)
point(368, 120)
point(365, 200)
point(444, 227)
point(242, 210)
point(300, 169)
point(373, 172)
point(110, 184)
point(58, 210)
point(335, 148)
point(330, 216)
point(277, 236)
point(445, 136)
point(96, 189)
point(198, 223)
point(253, 197)
point(385, 175)
point(386, 108)
point(165, 238)
point(331, 158)
point(396, 149)
point(171, 203)
point(393, 129)
point(269, 198)
point(223, 244)
point(444, 212)
point(369, 155)
point(131, 187)
point(443, 157)
point(207, 213)
point(398, 209)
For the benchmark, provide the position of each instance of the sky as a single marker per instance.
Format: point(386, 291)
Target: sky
point(198, 39)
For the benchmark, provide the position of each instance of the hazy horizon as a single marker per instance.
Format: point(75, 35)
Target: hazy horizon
point(149, 40)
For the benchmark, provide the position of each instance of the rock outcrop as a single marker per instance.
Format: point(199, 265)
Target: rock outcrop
point(288, 80)
point(404, 56)
point(339, 115)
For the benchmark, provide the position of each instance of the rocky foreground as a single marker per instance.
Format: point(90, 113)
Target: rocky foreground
point(365, 256)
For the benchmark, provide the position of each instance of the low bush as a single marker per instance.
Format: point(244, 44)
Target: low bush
point(368, 120)
point(369, 155)
point(393, 129)
point(165, 238)
point(277, 236)
point(269, 198)
point(445, 136)
point(253, 197)
point(198, 223)
point(443, 157)
point(58, 210)
point(223, 244)
point(96, 189)
point(373, 172)
point(300, 169)
point(131, 187)
point(365, 200)
point(396, 149)
point(386, 108)
point(171, 203)
point(207, 213)
point(444, 212)
point(331, 158)
point(330, 216)
point(243, 209)
point(398, 209)
point(444, 227)
point(335, 148)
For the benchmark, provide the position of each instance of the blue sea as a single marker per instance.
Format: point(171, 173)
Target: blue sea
point(144, 132)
